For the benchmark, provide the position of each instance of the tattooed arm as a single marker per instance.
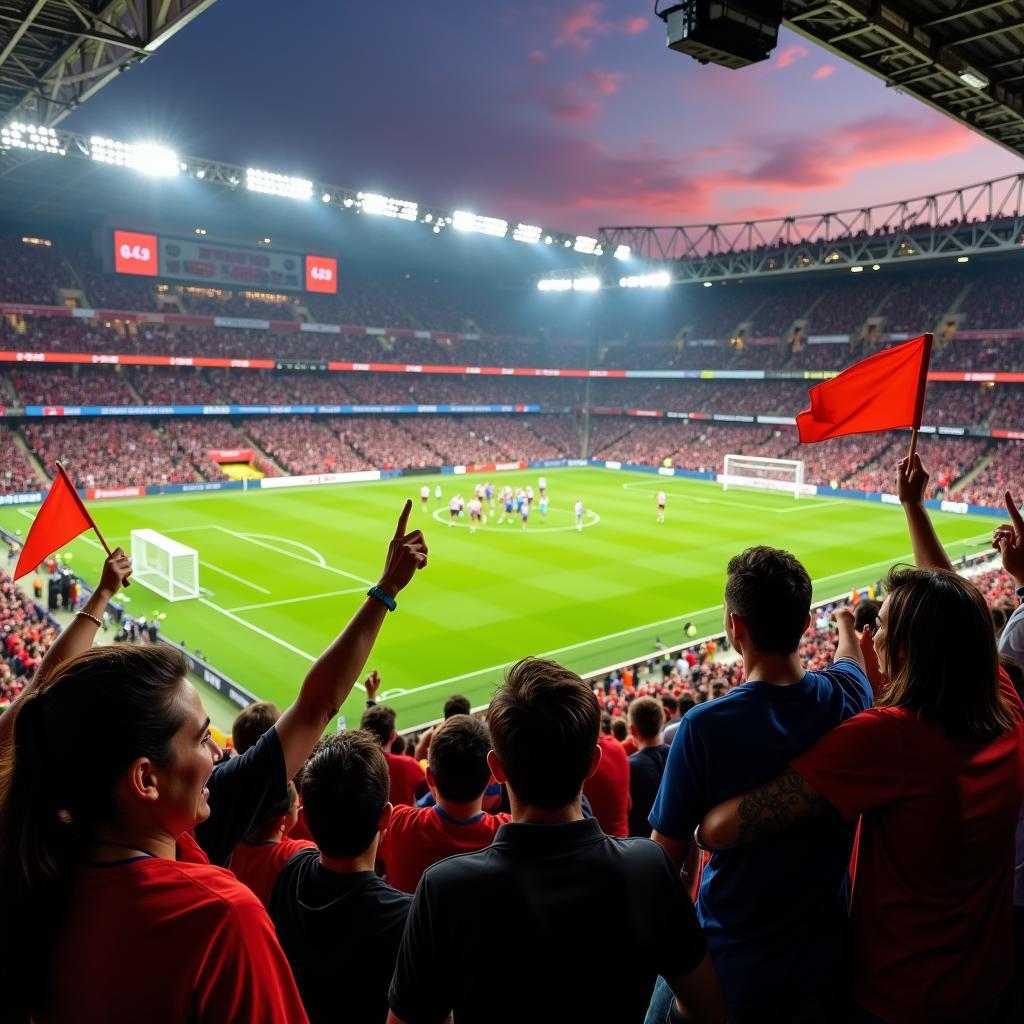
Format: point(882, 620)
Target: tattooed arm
point(777, 805)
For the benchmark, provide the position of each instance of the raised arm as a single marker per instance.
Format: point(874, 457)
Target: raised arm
point(79, 634)
point(849, 642)
point(1009, 542)
point(911, 483)
point(329, 682)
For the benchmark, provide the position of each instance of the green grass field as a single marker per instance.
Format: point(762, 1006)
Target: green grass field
point(284, 569)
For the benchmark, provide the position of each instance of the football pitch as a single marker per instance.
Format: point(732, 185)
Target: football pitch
point(282, 570)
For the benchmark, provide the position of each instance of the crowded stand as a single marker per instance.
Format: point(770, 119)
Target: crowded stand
point(1005, 471)
point(998, 301)
point(383, 443)
point(31, 272)
point(76, 385)
point(843, 307)
point(25, 635)
point(197, 438)
point(916, 305)
point(17, 473)
point(303, 444)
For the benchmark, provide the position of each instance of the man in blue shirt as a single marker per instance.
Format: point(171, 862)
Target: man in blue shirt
point(775, 914)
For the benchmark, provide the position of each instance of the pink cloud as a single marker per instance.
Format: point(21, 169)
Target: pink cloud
point(537, 57)
point(634, 26)
point(790, 55)
point(569, 104)
point(606, 83)
point(824, 72)
point(579, 27)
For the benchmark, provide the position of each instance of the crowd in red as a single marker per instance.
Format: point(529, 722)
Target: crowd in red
point(25, 636)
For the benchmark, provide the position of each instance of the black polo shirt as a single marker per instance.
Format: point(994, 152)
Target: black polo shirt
point(549, 923)
point(646, 767)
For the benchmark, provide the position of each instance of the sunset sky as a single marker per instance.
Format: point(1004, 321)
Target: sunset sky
point(571, 115)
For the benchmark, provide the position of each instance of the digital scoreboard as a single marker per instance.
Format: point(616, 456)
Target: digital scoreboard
point(217, 264)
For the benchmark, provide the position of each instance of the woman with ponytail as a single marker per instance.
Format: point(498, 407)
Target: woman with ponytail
point(106, 773)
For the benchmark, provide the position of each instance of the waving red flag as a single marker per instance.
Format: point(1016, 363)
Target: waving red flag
point(61, 517)
point(885, 391)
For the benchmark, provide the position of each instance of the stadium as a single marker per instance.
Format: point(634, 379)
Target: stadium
point(247, 374)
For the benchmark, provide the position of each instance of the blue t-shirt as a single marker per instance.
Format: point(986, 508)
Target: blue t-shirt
point(774, 912)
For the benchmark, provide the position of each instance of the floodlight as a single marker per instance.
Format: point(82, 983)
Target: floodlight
point(585, 245)
point(708, 284)
point(437, 229)
point(622, 252)
point(200, 174)
point(555, 284)
point(856, 270)
point(277, 184)
point(975, 79)
point(526, 233)
point(30, 136)
point(659, 279)
point(387, 206)
point(963, 259)
point(428, 218)
point(876, 267)
point(567, 243)
point(144, 157)
point(326, 197)
point(586, 284)
point(463, 220)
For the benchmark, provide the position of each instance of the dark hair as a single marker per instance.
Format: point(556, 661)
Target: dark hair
point(458, 758)
point(954, 684)
point(606, 722)
point(251, 723)
point(456, 704)
point(267, 829)
point(398, 747)
point(345, 786)
point(1015, 672)
point(670, 704)
point(72, 738)
point(771, 592)
point(864, 614)
point(685, 703)
point(544, 724)
point(379, 721)
point(619, 728)
point(647, 716)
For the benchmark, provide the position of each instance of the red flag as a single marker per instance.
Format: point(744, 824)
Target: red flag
point(61, 517)
point(885, 391)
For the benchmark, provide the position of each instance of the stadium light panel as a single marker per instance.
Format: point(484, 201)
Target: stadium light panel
point(585, 245)
point(963, 259)
point(326, 197)
point(277, 184)
point(144, 157)
point(548, 239)
point(975, 79)
point(387, 206)
point(659, 279)
point(428, 218)
point(30, 136)
point(463, 220)
point(586, 284)
point(622, 252)
point(856, 270)
point(526, 233)
point(201, 173)
point(876, 266)
point(555, 284)
point(708, 284)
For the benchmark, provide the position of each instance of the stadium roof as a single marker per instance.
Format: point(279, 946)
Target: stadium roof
point(54, 54)
point(964, 58)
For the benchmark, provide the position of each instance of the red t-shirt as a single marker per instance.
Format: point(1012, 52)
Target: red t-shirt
point(420, 836)
point(608, 788)
point(629, 746)
point(164, 941)
point(931, 913)
point(258, 862)
point(407, 779)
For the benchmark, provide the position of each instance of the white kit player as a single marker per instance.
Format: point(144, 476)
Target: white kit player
point(529, 493)
point(508, 505)
point(661, 507)
point(424, 497)
point(524, 511)
point(437, 494)
point(542, 483)
point(478, 492)
point(475, 507)
point(579, 515)
point(453, 510)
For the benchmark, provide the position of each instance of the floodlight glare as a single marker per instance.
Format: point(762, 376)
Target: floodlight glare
point(622, 252)
point(144, 157)
point(659, 279)
point(555, 284)
point(526, 233)
point(975, 79)
point(585, 245)
point(708, 284)
point(963, 259)
point(586, 284)
point(326, 197)
point(463, 220)
point(856, 270)
point(29, 136)
point(548, 239)
point(387, 206)
point(277, 184)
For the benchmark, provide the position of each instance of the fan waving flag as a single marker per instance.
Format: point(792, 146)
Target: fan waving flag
point(885, 391)
point(61, 517)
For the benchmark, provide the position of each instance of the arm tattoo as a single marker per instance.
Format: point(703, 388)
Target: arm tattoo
point(785, 801)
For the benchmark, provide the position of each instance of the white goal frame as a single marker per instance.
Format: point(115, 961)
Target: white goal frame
point(739, 471)
point(165, 566)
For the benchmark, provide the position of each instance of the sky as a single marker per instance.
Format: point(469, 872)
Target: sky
point(571, 115)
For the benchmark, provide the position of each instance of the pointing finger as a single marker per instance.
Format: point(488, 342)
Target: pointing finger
point(403, 519)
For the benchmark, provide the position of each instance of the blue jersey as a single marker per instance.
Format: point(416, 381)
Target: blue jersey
point(508, 504)
point(774, 913)
point(544, 505)
point(489, 492)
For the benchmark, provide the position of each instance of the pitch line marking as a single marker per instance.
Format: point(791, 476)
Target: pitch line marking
point(296, 600)
point(232, 576)
point(256, 629)
point(252, 538)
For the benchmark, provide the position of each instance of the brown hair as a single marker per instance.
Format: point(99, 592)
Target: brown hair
point(941, 654)
point(771, 592)
point(647, 716)
point(458, 758)
point(251, 723)
point(544, 724)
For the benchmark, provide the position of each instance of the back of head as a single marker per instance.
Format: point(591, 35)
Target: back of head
point(345, 786)
point(251, 723)
point(865, 614)
point(379, 722)
point(619, 729)
point(647, 717)
point(456, 704)
point(458, 758)
point(940, 654)
point(72, 739)
point(544, 724)
point(771, 592)
point(670, 704)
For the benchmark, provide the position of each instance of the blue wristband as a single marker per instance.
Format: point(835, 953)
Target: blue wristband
point(384, 597)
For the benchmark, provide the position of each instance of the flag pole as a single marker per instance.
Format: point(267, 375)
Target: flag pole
point(922, 383)
point(85, 512)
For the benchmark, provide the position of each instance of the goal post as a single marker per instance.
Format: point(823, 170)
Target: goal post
point(763, 473)
point(164, 566)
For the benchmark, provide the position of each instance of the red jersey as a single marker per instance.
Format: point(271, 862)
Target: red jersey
point(258, 862)
point(629, 746)
point(608, 788)
point(165, 941)
point(407, 779)
point(420, 836)
point(931, 912)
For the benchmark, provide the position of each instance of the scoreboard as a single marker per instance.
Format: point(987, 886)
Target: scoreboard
point(197, 261)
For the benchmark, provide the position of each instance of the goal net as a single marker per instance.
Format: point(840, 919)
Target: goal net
point(766, 474)
point(164, 566)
